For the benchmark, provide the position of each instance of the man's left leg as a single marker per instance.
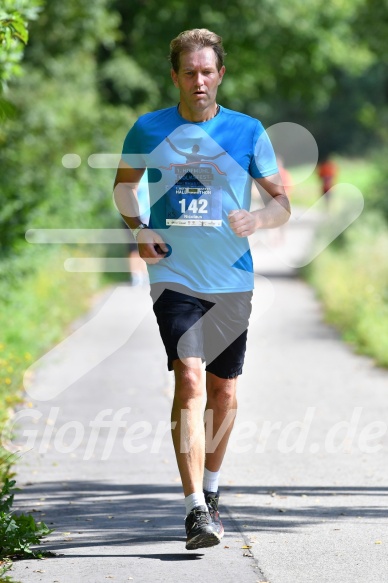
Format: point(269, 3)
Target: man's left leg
point(220, 413)
point(225, 344)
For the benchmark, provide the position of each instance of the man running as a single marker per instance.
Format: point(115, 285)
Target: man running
point(201, 159)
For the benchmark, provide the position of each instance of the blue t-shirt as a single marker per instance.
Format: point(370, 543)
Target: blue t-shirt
point(197, 174)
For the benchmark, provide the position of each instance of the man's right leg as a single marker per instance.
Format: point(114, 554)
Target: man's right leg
point(188, 434)
point(179, 318)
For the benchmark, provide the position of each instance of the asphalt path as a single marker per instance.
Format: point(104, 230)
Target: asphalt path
point(304, 482)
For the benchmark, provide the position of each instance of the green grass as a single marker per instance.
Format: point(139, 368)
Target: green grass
point(357, 171)
point(352, 282)
point(39, 300)
point(36, 311)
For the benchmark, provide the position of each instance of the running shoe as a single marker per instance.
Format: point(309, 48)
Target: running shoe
point(212, 499)
point(200, 529)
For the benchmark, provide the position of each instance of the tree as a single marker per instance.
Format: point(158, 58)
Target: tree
point(59, 110)
point(277, 50)
point(14, 18)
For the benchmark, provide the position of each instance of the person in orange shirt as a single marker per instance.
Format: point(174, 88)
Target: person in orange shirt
point(327, 172)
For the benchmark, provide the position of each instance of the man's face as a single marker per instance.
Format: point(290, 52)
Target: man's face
point(198, 79)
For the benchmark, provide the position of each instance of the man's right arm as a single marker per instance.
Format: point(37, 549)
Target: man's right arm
point(125, 196)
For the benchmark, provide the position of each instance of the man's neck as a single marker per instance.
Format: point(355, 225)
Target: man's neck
point(198, 116)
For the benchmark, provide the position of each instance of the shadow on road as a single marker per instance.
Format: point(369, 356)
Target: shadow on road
point(103, 514)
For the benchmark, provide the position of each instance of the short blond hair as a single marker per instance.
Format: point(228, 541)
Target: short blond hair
point(195, 40)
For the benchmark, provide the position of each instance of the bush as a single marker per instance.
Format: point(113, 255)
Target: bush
point(18, 532)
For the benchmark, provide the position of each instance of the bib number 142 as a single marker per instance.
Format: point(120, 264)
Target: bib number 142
point(195, 206)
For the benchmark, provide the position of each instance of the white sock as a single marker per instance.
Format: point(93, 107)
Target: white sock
point(210, 480)
point(193, 500)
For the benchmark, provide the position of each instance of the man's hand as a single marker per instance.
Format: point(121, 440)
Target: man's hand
point(242, 222)
point(149, 243)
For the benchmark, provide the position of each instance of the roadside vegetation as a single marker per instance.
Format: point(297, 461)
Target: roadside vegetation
point(351, 275)
point(47, 110)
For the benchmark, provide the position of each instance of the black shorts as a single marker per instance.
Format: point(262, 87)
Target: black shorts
point(212, 327)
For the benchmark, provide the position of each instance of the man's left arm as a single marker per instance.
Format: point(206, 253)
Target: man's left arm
point(275, 213)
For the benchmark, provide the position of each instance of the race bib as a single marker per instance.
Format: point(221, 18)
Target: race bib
point(194, 206)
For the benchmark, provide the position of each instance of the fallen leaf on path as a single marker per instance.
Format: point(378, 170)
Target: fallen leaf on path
point(226, 547)
point(378, 542)
point(246, 547)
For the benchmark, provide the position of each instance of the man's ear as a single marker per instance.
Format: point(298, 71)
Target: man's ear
point(221, 73)
point(174, 78)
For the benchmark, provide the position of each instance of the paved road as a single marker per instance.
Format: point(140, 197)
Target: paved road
point(308, 499)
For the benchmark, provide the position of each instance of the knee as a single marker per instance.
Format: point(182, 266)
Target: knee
point(188, 385)
point(222, 398)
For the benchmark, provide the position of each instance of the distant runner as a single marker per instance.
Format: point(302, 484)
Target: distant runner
point(327, 171)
